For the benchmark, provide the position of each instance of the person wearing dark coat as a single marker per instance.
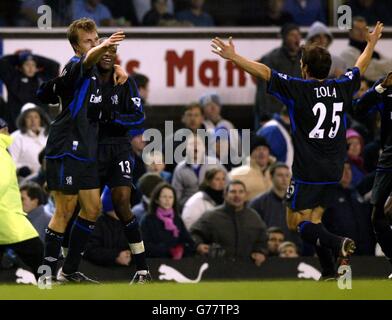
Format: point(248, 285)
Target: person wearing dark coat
point(108, 245)
point(348, 216)
point(163, 230)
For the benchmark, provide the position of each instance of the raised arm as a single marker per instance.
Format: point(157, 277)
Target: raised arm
point(96, 53)
point(366, 56)
point(227, 51)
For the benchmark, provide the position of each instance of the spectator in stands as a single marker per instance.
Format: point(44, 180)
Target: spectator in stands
point(156, 164)
point(94, 10)
point(288, 250)
point(275, 15)
point(61, 12)
point(143, 6)
point(190, 172)
point(275, 239)
point(237, 230)
point(355, 146)
point(209, 196)
point(219, 127)
point(196, 15)
point(108, 245)
point(33, 200)
point(255, 174)
point(164, 233)
point(371, 10)
point(159, 15)
point(142, 83)
point(29, 140)
point(285, 59)
point(123, 12)
point(349, 216)
point(379, 65)
point(146, 185)
point(305, 12)
point(40, 176)
point(271, 205)
point(192, 120)
point(277, 134)
point(22, 73)
point(139, 167)
point(319, 35)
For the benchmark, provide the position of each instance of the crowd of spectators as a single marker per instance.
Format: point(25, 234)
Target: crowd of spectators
point(187, 13)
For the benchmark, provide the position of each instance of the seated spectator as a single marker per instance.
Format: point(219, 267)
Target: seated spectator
point(189, 173)
point(123, 12)
point(271, 206)
point(156, 164)
point(22, 74)
point(320, 35)
point(305, 12)
point(277, 134)
point(275, 239)
point(94, 10)
point(33, 200)
point(142, 83)
point(349, 216)
point(379, 65)
point(159, 15)
point(29, 140)
point(355, 146)
point(236, 229)
point(143, 6)
point(40, 176)
point(108, 245)
point(146, 185)
point(139, 167)
point(288, 250)
point(209, 196)
point(275, 15)
point(195, 15)
point(164, 233)
point(255, 175)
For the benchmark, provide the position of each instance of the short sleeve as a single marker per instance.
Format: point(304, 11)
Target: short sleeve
point(351, 80)
point(283, 87)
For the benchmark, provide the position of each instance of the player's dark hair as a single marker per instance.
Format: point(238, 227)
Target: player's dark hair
point(209, 176)
point(141, 80)
point(318, 61)
point(34, 191)
point(155, 197)
point(84, 24)
point(276, 166)
point(274, 230)
point(193, 105)
point(234, 182)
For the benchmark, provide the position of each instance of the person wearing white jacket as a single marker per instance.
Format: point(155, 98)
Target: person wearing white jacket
point(29, 140)
point(209, 196)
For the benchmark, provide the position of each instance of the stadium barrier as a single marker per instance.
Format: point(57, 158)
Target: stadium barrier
point(193, 270)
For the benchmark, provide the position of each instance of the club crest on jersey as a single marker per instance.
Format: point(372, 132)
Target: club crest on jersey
point(349, 74)
point(68, 180)
point(114, 99)
point(282, 75)
point(137, 101)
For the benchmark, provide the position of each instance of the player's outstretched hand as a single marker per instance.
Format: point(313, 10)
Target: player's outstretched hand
point(114, 39)
point(387, 82)
point(226, 51)
point(376, 34)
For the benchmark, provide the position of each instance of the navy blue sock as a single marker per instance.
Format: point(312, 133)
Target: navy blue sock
point(79, 236)
point(326, 261)
point(52, 249)
point(132, 232)
point(316, 234)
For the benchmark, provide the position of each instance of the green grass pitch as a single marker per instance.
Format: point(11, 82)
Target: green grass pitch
point(224, 290)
